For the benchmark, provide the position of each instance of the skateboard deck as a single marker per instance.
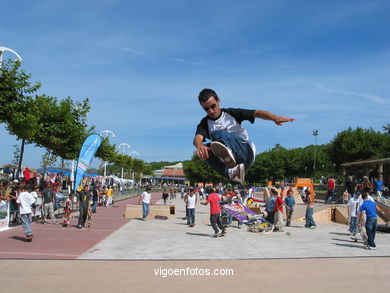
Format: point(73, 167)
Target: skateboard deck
point(364, 237)
point(254, 221)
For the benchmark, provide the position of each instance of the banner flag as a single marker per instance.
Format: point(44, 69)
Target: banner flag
point(88, 150)
point(4, 215)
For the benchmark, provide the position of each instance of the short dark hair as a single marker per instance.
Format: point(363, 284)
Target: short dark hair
point(206, 94)
point(364, 195)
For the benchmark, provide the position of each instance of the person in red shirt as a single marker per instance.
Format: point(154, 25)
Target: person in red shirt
point(215, 213)
point(331, 188)
point(278, 218)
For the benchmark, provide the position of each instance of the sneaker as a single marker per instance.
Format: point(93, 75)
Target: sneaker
point(372, 247)
point(313, 227)
point(223, 232)
point(215, 235)
point(191, 225)
point(55, 223)
point(237, 174)
point(223, 153)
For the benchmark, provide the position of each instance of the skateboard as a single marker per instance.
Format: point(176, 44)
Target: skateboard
point(256, 223)
point(161, 217)
point(364, 237)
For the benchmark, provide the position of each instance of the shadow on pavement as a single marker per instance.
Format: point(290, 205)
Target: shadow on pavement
point(198, 234)
point(18, 238)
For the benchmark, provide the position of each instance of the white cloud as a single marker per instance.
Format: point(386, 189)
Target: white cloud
point(187, 62)
point(374, 98)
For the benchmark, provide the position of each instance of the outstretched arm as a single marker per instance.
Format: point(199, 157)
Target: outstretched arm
point(265, 115)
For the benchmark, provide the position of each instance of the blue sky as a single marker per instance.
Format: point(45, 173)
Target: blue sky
point(143, 63)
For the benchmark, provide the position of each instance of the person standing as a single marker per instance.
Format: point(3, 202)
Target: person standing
point(331, 188)
point(191, 200)
point(165, 196)
point(145, 199)
point(309, 211)
point(270, 207)
point(366, 185)
point(48, 197)
point(289, 202)
point(68, 209)
point(230, 152)
point(350, 187)
point(370, 209)
point(278, 217)
point(109, 195)
point(352, 211)
point(25, 200)
point(378, 186)
point(96, 195)
point(84, 204)
point(215, 213)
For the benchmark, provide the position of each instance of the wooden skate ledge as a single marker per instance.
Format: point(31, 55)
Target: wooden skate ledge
point(159, 210)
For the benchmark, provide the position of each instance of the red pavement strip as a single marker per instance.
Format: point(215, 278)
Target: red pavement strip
point(57, 242)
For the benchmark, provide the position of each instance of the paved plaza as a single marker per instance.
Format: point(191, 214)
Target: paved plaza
point(123, 255)
point(172, 239)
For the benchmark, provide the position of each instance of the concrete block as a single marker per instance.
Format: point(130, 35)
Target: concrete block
point(158, 210)
point(322, 216)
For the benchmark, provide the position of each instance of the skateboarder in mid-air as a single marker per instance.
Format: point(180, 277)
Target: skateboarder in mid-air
point(230, 152)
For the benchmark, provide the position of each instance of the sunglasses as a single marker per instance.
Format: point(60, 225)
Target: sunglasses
point(212, 106)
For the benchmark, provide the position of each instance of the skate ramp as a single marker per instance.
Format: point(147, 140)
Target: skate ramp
point(341, 215)
point(322, 213)
point(384, 205)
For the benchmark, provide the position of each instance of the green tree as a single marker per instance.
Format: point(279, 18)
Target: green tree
point(386, 128)
point(197, 170)
point(62, 126)
point(358, 144)
point(48, 159)
point(16, 103)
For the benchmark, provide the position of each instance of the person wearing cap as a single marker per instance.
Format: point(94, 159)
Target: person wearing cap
point(230, 152)
point(145, 199)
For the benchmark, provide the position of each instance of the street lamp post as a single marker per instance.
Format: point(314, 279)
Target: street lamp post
point(132, 154)
point(4, 49)
point(123, 145)
point(105, 133)
point(315, 134)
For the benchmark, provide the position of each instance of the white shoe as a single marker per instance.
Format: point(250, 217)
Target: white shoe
point(237, 174)
point(223, 153)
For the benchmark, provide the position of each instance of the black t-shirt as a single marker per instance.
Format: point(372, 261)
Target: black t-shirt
point(47, 195)
point(350, 186)
point(84, 198)
point(230, 120)
point(96, 192)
